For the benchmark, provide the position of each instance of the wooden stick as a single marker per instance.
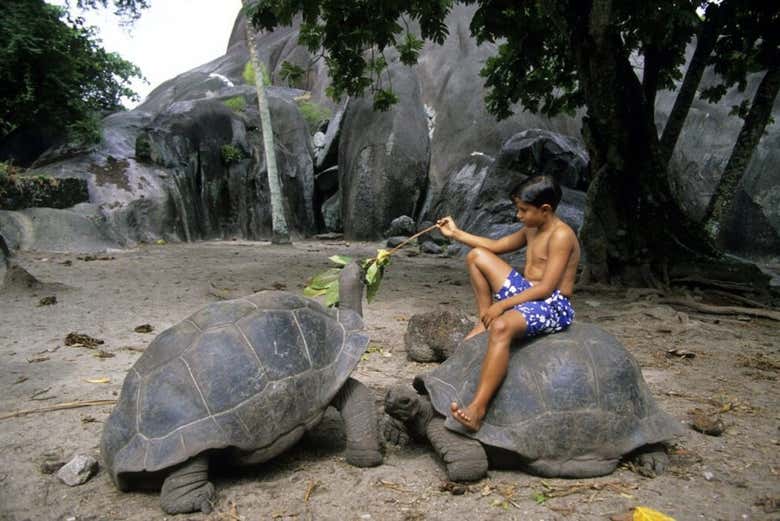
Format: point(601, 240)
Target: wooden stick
point(410, 239)
point(56, 407)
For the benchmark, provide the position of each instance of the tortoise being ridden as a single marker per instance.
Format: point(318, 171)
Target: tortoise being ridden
point(572, 405)
point(241, 379)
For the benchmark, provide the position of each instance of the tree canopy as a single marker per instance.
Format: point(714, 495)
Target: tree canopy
point(54, 74)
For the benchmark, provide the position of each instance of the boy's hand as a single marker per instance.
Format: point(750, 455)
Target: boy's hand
point(447, 226)
point(491, 313)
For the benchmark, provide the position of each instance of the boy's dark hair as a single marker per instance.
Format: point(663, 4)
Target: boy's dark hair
point(538, 190)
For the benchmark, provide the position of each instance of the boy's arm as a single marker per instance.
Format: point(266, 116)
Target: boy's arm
point(511, 242)
point(558, 252)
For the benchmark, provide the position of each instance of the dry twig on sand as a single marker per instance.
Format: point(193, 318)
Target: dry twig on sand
point(56, 407)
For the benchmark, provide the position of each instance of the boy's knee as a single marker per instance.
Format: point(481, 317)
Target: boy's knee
point(475, 254)
point(499, 328)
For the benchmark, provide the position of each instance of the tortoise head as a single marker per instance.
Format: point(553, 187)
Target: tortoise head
point(351, 288)
point(403, 403)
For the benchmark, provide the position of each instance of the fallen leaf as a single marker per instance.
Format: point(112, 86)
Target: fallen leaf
point(648, 514)
point(680, 353)
point(79, 340)
point(144, 328)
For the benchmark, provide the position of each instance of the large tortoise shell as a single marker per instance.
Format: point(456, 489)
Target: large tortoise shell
point(239, 373)
point(574, 394)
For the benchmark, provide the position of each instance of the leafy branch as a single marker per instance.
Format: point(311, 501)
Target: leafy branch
point(326, 283)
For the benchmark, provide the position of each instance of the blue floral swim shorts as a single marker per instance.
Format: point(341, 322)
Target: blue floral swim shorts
point(551, 315)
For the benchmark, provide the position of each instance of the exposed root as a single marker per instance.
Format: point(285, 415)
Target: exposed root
point(720, 310)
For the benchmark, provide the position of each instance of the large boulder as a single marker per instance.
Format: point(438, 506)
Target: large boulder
point(477, 196)
point(383, 159)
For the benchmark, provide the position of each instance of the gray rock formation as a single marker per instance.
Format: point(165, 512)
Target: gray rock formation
point(186, 164)
point(383, 159)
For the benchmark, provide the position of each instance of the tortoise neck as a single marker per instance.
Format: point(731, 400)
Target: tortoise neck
point(351, 288)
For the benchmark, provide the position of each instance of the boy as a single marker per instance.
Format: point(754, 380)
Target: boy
point(526, 306)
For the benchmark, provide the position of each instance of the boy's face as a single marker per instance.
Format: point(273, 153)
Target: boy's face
point(530, 215)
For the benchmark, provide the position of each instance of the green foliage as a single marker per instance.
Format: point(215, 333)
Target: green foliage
point(143, 148)
point(18, 191)
point(128, 9)
point(230, 154)
point(291, 73)
point(249, 74)
point(54, 76)
point(313, 113)
point(374, 270)
point(749, 43)
point(236, 103)
point(536, 64)
point(354, 35)
point(326, 283)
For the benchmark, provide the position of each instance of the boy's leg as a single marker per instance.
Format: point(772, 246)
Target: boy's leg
point(494, 366)
point(487, 273)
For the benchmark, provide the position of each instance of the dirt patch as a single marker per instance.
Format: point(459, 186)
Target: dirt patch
point(723, 366)
point(113, 172)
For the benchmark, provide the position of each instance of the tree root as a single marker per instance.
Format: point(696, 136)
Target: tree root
point(720, 310)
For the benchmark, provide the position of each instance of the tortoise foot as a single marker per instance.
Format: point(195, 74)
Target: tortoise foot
point(364, 457)
point(651, 461)
point(394, 431)
point(187, 489)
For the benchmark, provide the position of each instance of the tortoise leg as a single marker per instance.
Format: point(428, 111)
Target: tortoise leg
point(356, 405)
point(187, 489)
point(464, 458)
point(651, 460)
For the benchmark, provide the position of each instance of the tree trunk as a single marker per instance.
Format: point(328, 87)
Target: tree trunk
point(752, 130)
point(632, 225)
point(705, 43)
point(279, 233)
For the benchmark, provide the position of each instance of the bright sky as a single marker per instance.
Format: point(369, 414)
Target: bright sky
point(171, 37)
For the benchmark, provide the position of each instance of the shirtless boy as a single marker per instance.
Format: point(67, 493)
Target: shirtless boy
point(527, 305)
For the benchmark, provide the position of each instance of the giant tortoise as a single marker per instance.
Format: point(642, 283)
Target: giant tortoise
point(572, 405)
point(241, 379)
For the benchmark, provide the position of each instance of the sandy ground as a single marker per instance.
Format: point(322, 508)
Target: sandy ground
point(734, 370)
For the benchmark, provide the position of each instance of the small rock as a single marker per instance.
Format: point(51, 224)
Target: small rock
point(431, 248)
point(392, 242)
point(708, 475)
point(78, 470)
point(706, 423)
point(403, 225)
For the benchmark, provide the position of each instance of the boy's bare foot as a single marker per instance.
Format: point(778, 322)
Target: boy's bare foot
point(479, 328)
point(469, 417)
